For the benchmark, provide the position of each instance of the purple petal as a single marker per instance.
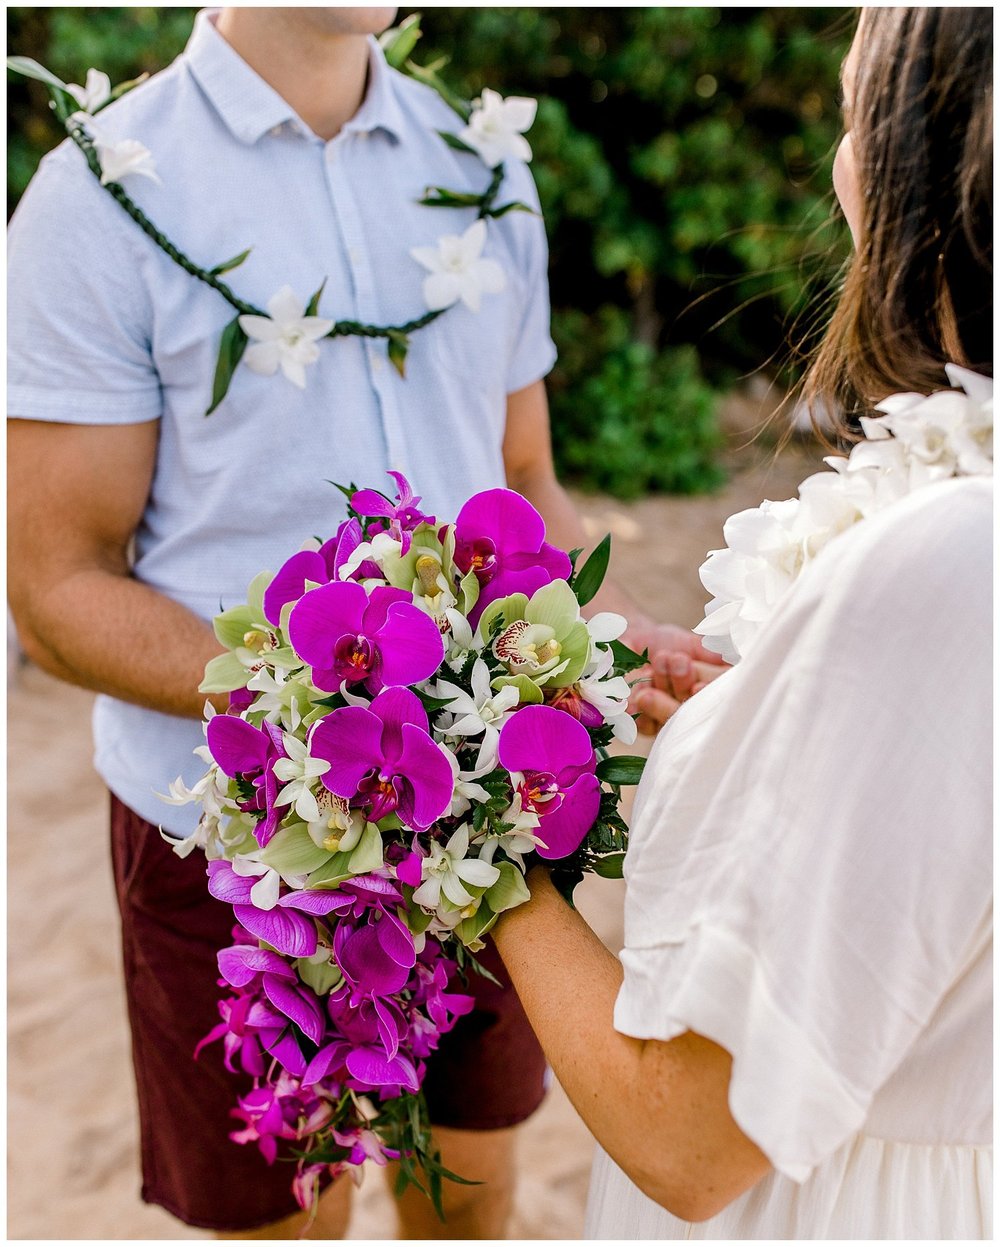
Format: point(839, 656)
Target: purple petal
point(337, 552)
point(285, 930)
point(549, 559)
point(288, 1052)
point(564, 829)
point(374, 1068)
point(368, 503)
point(391, 1026)
point(365, 963)
point(315, 902)
point(226, 885)
point(290, 582)
point(326, 1059)
point(350, 739)
point(370, 886)
point(431, 784)
point(507, 519)
point(377, 610)
point(396, 706)
point(321, 617)
point(542, 738)
point(237, 746)
point(409, 870)
point(396, 940)
point(296, 1003)
point(410, 646)
point(240, 965)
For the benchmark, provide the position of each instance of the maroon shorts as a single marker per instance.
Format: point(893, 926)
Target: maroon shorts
point(488, 1072)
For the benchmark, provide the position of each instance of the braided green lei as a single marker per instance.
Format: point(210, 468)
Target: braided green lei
point(397, 45)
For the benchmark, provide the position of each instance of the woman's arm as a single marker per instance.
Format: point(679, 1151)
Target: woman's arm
point(660, 1110)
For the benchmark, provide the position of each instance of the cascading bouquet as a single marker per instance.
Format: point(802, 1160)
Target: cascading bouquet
point(415, 710)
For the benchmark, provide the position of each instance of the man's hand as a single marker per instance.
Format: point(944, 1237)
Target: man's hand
point(679, 667)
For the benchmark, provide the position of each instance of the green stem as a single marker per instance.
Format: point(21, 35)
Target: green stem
point(491, 192)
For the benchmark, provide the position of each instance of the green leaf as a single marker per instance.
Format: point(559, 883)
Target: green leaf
point(591, 575)
point(223, 674)
point(440, 197)
point(312, 307)
point(398, 43)
point(429, 77)
point(28, 68)
point(626, 659)
point(399, 345)
point(368, 855)
point(515, 205)
point(229, 265)
point(625, 770)
point(509, 891)
point(609, 867)
point(292, 851)
point(231, 348)
point(335, 871)
point(458, 144)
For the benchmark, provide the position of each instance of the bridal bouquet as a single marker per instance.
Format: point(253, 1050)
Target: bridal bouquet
point(415, 709)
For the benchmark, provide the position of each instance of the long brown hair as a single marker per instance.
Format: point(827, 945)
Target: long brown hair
point(918, 292)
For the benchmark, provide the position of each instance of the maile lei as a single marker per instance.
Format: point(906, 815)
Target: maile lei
point(918, 441)
point(287, 333)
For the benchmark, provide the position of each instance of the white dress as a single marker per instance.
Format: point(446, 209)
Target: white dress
point(809, 884)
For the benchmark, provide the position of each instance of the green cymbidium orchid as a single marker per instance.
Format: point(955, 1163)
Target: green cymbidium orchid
point(428, 571)
point(542, 640)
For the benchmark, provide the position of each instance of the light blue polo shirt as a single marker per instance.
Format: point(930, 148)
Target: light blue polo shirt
point(105, 329)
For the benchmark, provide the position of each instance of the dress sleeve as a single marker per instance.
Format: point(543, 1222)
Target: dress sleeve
point(80, 320)
point(533, 352)
point(810, 870)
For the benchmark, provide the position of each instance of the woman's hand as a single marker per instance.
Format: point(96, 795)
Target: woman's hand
point(679, 667)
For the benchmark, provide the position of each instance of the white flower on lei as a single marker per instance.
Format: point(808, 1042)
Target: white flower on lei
point(287, 337)
point(481, 714)
point(96, 92)
point(447, 869)
point(300, 772)
point(124, 158)
point(609, 695)
point(497, 125)
point(920, 439)
point(457, 270)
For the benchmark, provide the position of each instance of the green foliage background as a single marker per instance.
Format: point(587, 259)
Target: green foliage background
point(682, 157)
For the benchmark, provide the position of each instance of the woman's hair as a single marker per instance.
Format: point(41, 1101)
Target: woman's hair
point(918, 292)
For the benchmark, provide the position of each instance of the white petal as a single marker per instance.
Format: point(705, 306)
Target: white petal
point(429, 892)
point(458, 844)
point(606, 626)
point(313, 328)
point(469, 291)
point(262, 328)
point(473, 241)
point(263, 358)
point(518, 147)
point(429, 257)
point(479, 873)
point(286, 306)
point(519, 112)
point(440, 291)
point(265, 893)
point(451, 885)
point(293, 369)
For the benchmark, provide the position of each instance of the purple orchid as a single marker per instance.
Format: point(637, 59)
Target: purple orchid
point(501, 537)
point(366, 1047)
point(401, 517)
point(279, 1110)
point(380, 639)
point(383, 759)
point(320, 566)
point(554, 754)
point(248, 754)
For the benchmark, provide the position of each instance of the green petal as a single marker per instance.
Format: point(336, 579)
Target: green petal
point(554, 604)
point(575, 653)
point(530, 693)
point(509, 891)
point(233, 625)
point(508, 609)
point(368, 855)
point(223, 674)
point(291, 851)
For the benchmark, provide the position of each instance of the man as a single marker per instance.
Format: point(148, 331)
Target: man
point(133, 515)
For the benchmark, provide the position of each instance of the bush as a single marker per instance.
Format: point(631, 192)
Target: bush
point(682, 159)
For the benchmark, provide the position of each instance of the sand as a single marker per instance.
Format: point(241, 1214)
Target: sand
point(72, 1131)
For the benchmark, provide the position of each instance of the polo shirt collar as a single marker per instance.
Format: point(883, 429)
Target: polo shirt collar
point(250, 107)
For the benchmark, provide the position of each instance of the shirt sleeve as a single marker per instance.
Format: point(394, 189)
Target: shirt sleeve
point(810, 871)
point(80, 318)
point(532, 352)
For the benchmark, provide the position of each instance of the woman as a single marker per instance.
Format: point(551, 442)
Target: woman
point(797, 1041)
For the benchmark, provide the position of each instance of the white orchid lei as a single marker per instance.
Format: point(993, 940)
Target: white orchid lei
point(287, 333)
point(919, 440)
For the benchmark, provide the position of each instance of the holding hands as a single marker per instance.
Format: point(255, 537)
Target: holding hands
point(679, 666)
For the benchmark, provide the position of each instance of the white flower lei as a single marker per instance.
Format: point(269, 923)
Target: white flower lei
point(919, 440)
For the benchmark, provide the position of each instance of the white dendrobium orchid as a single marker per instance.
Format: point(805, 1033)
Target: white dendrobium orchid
point(466, 789)
point(459, 639)
point(300, 773)
point(280, 698)
point(375, 550)
point(127, 156)
point(609, 696)
point(482, 714)
point(447, 869)
point(287, 337)
point(497, 125)
point(458, 270)
point(919, 440)
point(96, 92)
point(338, 829)
point(265, 892)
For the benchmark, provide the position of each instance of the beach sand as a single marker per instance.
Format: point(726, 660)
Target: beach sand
point(72, 1132)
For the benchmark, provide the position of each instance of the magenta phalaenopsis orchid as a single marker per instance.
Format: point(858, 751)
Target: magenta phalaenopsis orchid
point(401, 517)
point(501, 537)
point(554, 754)
point(351, 636)
point(248, 753)
point(383, 759)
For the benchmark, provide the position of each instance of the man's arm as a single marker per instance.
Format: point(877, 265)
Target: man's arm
point(76, 494)
point(680, 663)
point(659, 1109)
